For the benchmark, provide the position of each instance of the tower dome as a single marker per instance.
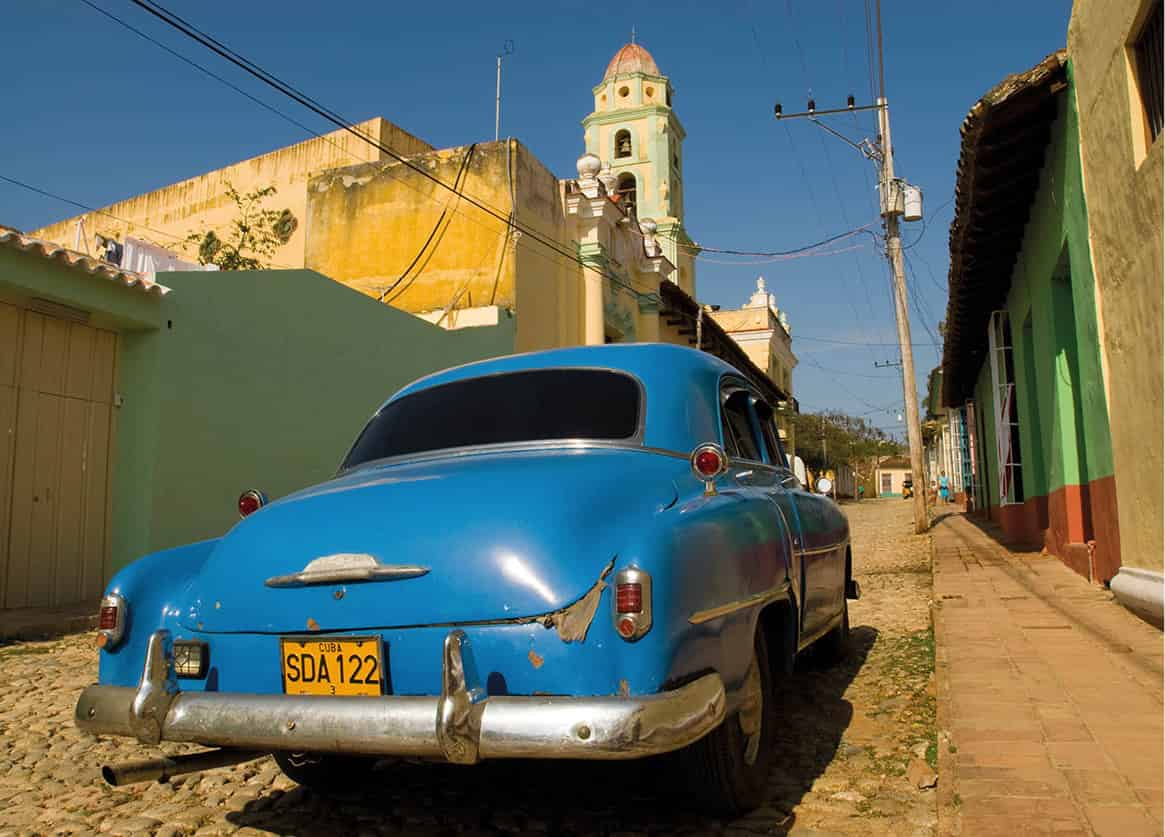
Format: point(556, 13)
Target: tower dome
point(632, 58)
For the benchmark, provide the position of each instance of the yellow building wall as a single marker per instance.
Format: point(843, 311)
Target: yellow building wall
point(201, 203)
point(1122, 183)
point(384, 228)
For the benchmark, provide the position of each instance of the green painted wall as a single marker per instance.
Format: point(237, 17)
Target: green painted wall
point(1064, 435)
point(258, 379)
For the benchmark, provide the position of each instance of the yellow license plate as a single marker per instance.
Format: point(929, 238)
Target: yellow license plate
point(341, 666)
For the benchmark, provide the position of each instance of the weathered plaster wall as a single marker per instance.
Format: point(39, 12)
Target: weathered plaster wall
point(1122, 176)
point(201, 203)
point(383, 227)
point(258, 379)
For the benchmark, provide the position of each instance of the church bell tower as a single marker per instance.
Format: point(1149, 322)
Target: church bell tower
point(634, 130)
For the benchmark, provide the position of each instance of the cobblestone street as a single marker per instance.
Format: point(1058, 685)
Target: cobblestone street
point(857, 748)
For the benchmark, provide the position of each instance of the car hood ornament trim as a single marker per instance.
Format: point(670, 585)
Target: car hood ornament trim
point(346, 567)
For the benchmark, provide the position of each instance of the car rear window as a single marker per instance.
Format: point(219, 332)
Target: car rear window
point(525, 406)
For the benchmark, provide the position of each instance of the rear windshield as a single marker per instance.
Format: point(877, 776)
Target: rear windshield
point(512, 407)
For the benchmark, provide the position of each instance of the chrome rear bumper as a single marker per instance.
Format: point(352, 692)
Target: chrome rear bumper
point(461, 725)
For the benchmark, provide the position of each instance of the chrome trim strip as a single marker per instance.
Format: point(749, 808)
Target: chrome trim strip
point(819, 550)
point(510, 447)
point(459, 725)
point(384, 572)
point(764, 597)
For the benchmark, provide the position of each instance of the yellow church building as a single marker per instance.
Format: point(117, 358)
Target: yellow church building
point(470, 235)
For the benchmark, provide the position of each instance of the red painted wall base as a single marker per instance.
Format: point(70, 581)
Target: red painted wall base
point(1076, 523)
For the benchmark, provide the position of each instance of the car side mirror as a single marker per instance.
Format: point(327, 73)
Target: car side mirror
point(824, 485)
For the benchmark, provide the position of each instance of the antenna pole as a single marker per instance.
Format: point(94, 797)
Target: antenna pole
point(498, 103)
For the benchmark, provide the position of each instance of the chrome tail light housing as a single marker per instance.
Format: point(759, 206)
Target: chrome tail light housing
point(111, 618)
point(631, 603)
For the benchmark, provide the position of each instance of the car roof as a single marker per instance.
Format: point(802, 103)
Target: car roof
point(680, 384)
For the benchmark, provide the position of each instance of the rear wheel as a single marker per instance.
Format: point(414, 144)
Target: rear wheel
point(326, 773)
point(727, 770)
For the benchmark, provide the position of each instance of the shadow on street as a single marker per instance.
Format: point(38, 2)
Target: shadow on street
point(574, 797)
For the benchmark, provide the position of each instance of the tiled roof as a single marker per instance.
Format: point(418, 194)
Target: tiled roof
point(1004, 138)
point(632, 58)
point(79, 261)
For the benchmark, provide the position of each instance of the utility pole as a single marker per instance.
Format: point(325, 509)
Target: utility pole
point(890, 191)
point(507, 49)
point(892, 198)
point(824, 449)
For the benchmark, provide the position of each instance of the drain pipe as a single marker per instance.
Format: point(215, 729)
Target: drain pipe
point(167, 767)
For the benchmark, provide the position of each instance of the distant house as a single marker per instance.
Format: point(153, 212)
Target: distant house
point(890, 474)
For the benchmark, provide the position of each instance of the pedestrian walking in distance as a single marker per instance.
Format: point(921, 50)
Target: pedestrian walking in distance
point(944, 486)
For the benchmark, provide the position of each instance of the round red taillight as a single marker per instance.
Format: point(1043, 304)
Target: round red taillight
point(708, 463)
point(251, 501)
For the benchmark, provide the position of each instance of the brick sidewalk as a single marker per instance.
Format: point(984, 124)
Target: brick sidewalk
point(1050, 696)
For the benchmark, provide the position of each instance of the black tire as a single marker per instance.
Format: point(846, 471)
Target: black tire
point(326, 773)
point(835, 644)
point(717, 770)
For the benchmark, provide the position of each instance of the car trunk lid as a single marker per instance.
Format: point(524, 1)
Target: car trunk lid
point(491, 536)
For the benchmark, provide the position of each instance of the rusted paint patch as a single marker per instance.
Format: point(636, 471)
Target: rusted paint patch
point(573, 622)
point(312, 625)
point(535, 659)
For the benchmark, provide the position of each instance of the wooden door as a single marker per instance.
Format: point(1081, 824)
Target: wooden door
point(56, 412)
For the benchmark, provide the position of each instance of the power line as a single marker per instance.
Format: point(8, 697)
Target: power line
point(773, 259)
point(440, 218)
point(773, 253)
point(926, 223)
point(850, 342)
point(914, 295)
point(858, 374)
point(842, 386)
point(174, 21)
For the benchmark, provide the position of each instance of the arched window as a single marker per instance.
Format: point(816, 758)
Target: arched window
point(623, 143)
point(625, 189)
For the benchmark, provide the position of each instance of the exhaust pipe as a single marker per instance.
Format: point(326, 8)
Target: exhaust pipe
point(168, 767)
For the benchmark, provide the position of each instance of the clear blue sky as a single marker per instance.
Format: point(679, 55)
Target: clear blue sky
point(96, 114)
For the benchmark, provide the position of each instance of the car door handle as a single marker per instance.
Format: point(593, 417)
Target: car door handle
point(744, 474)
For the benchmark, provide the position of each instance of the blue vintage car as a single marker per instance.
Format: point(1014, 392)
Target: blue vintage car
point(587, 553)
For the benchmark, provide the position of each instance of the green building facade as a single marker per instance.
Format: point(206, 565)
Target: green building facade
point(1025, 347)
